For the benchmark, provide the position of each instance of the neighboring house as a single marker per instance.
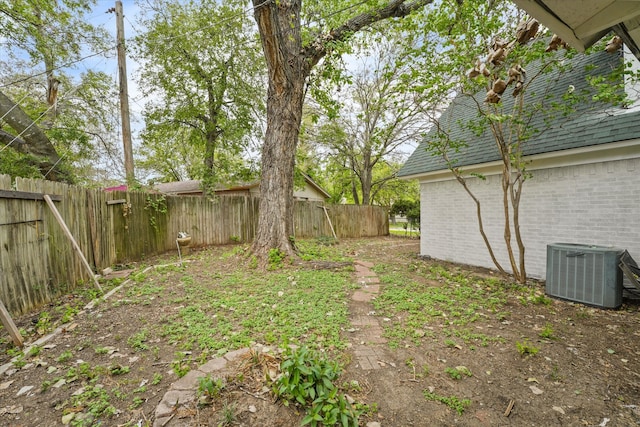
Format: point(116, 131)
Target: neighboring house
point(583, 188)
point(311, 190)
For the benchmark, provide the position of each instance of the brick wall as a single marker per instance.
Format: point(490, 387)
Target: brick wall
point(597, 203)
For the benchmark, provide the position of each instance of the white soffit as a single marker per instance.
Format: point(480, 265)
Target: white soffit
point(582, 23)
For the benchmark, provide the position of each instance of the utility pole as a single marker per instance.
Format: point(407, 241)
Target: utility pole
point(124, 96)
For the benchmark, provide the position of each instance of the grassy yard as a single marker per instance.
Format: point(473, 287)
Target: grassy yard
point(398, 230)
point(458, 341)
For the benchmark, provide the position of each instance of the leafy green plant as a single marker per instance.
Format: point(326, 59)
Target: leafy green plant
point(453, 402)
point(307, 379)
point(65, 356)
point(425, 371)
point(457, 372)
point(101, 350)
point(44, 323)
point(526, 348)
point(228, 415)
point(14, 351)
point(68, 313)
point(34, 351)
point(253, 262)
point(326, 241)
point(547, 332)
point(136, 403)
point(95, 400)
point(157, 206)
point(19, 362)
point(276, 258)
point(450, 343)
point(84, 371)
point(352, 386)
point(209, 386)
point(156, 379)
point(136, 341)
point(541, 299)
point(119, 370)
point(180, 368)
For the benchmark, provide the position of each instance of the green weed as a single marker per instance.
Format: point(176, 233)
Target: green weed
point(453, 402)
point(275, 259)
point(119, 370)
point(96, 401)
point(137, 340)
point(101, 350)
point(136, 403)
point(180, 368)
point(308, 379)
point(34, 351)
point(547, 332)
point(44, 324)
point(457, 372)
point(229, 417)
point(19, 363)
point(541, 299)
point(210, 387)
point(68, 313)
point(450, 343)
point(156, 379)
point(526, 348)
point(65, 356)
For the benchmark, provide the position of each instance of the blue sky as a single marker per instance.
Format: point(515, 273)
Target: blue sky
point(109, 64)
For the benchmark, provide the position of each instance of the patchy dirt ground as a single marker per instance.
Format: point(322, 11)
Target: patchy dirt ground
point(108, 367)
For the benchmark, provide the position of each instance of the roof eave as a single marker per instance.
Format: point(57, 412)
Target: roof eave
point(622, 19)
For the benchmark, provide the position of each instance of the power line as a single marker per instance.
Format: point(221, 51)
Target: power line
point(215, 23)
point(169, 38)
point(24, 79)
point(36, 120)
point(14, 106)
point(55, 164)
point(353, 6)
point(133, 27)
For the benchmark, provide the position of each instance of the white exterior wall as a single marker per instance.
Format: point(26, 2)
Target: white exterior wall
point(596, 203)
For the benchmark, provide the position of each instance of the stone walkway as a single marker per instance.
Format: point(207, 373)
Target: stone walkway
point(183, 391)
point(365, 336)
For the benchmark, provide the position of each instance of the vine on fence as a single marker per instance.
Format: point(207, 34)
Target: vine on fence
point(156, 205)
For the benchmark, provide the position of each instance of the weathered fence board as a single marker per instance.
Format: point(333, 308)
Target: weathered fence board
point(38, 262)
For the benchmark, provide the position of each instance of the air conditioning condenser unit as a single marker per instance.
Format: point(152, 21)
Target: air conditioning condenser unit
point(589, 274)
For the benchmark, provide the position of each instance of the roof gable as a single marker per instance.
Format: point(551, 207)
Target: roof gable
point(586, 127)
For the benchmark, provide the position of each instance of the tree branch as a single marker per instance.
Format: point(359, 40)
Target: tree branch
point(394, 9)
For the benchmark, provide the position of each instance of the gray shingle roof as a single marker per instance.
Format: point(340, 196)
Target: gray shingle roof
point(591, 124)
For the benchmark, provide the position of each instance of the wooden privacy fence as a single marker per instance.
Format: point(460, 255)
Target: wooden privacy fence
point(38, 262)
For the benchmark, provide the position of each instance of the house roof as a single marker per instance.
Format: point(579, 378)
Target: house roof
point(583, 23)
point(588, 126)
point(179, 187)
point(193, 187)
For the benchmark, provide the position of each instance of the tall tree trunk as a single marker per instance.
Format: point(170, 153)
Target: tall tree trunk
point(289, 65)
point(366, 178)
point(279, 26)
